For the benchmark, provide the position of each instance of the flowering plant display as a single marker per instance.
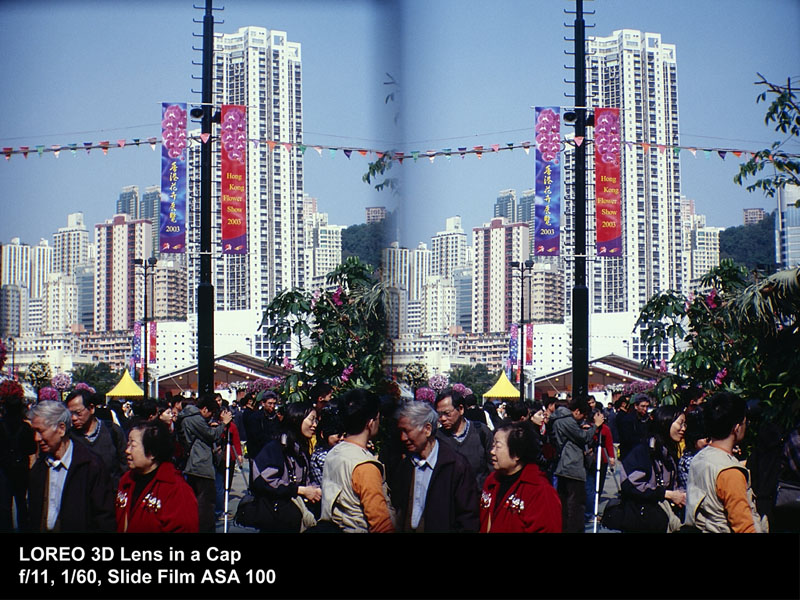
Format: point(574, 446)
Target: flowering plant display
point(49, 393)
point(84, 386)
point(38, 374)
point(61, 381)
point(11, 389)
point(263, 384)
point(438, 382)
point(462, 389)
point(426, 394)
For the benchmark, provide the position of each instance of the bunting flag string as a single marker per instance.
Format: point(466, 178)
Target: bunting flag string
point(478, 151)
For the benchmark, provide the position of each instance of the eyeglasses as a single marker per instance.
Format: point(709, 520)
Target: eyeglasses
point(77, 413)
point(445, 413)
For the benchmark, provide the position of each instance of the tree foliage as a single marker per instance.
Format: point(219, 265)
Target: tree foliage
point(367, 240)
point(344, 327)
point(100, 376)
point(784, 114)
point(385, 161)
point(476, 377)
point(739, 335)
point(750, 245)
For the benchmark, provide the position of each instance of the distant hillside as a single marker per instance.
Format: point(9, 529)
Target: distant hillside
point(750, 245)
point(368, 241)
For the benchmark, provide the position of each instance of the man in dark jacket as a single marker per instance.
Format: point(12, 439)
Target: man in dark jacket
point(199, 438)
point(571, 439)
point(471, 439)
point(434, 488)
point(105, 438)
point(69, 486)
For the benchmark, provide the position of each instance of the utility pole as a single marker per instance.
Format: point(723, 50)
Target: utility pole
point(205, 289)
point(580, 292)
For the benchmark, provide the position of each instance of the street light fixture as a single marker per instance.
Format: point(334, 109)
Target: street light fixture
point(522, 269)
point(148, 264)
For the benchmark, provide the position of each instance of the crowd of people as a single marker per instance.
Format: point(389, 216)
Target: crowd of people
point(359, 463)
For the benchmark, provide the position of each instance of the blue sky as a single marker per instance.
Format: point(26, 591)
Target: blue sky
point(469, 73)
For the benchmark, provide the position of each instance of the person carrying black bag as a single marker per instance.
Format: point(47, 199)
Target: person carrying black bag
point(649, 495)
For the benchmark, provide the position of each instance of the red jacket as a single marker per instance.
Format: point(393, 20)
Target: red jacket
point(167, 504)
point(531, 505)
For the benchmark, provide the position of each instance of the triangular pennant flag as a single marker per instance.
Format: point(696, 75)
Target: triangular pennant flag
point(88, 146)
point(527, 147)
point(318, 149)
point(462, 152)
point(303, 149)
point(722, 154)
point(645, 146)
point(478, 151)
point(510, 145)
point(255, 143)
point(74, 149)
point(271, 145)
point(40, 150)
point(204, 137)
point(629, 145)
point(332, 151)
point(7, 153)
point(693, 151)
point(104, 146)
point(400, 160)
point(707, 153)
point(288, 147)
point(578, 140)
point(152, 141)
point(400, 155)
point(362, 152)
point(136, 141)
point(431, 157)
point(495, 147)
point(56, 149)
point(737, 153)
point(661, 148)
point(447, 151)
point(380, 154)
point(347, 153)
point(415, 155)
point(121, 143)
point(24, 150)
point(677, 150)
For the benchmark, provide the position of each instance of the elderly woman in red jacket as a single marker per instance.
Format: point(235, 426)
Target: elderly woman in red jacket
point(517, 497)
point(152, 496)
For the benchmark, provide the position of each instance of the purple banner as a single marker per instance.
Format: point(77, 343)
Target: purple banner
point(172, 213)
point(547, 201)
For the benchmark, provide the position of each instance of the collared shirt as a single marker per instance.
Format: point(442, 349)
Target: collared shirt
point(57, 478)
point(92, 437)
point(423, 470)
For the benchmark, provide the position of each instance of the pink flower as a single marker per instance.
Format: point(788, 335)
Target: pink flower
point(337, 296)
point(345, 376)
point(662, 367)
point(426, 394)
point(286, 363)
point(721, 376)
point(48, 393)
point(711, 299)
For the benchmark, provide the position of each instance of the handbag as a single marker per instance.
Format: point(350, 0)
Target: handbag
point(787, 496)
point(272, 515)
point(631, 516)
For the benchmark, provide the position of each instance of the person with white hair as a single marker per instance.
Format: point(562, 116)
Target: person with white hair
point(434, 488)
point(70, 489)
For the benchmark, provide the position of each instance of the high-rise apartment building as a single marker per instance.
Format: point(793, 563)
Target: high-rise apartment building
point(375, 214)
point(119, 286)
point(506, 205)
point(787, 228)
point(449, 249)
point(407, 269)
point(149, 208)
point(262, 70)
point(753, 215)
point(16, 264)
point(71, 245)
point(128, 201)
point(637, 73)
point(41, 267)
point(704, 252)
point(169, 300)
point(495, 291)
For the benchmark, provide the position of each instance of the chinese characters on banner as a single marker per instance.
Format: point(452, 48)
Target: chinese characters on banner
point(607, 181)
point(547, 209)
point(172, 212)
point(136, 350)
point(234, 179)
point(528, 344)
point(152, 343)
point(513, 344)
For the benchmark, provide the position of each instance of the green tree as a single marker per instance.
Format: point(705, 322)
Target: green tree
point(477, 377)
point(344, 328)
point(784, 114)
point(740, 335)
point(98, 375)
point(750, 245)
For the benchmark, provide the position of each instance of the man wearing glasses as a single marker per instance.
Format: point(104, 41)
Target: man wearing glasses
point(105, 438)
point(471, 439)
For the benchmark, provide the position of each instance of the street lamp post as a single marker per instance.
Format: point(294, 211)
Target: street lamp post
point(523, 269)
point(148, 264)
